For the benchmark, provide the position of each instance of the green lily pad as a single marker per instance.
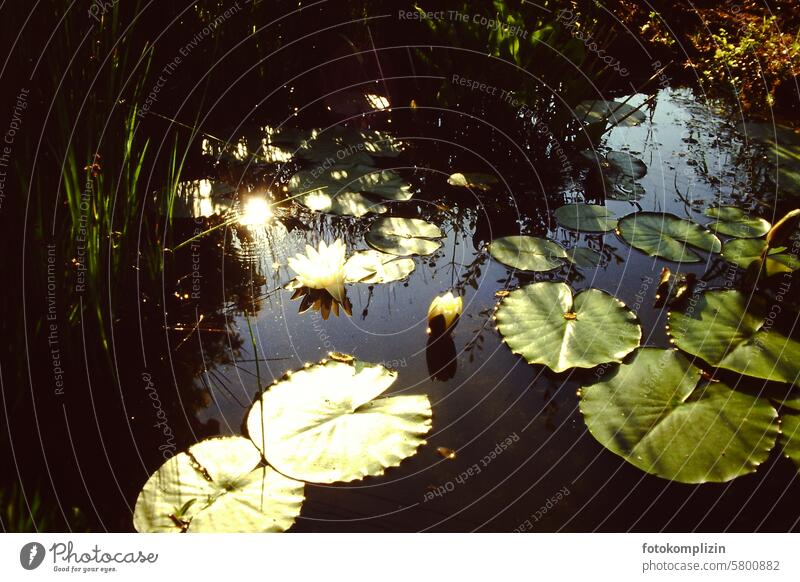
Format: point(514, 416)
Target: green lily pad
point(584, 257)
point(659, 415)
point(542, 323)
point(527, 253)
point(790, 435)
point(736, 222)
point(474, 180)
point(613, 112)
point(742, 252)
point(586, 217)
point(324, 423)
point(373, 267)
point(667, 236)
point(404, 236)
point(727, 329)
point(218, 485)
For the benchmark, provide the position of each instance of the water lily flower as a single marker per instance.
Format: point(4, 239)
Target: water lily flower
point(443, 313)
point(322, 268)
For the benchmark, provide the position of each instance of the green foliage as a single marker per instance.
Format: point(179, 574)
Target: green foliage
point(657, 413)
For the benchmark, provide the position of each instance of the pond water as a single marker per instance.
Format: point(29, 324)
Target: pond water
point(523, 456)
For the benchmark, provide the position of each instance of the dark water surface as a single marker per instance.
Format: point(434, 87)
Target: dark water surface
point(549, 473)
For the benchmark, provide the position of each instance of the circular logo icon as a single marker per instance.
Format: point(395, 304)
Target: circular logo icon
point(31, 555)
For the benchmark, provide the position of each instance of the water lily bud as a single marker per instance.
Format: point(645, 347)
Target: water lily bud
point(444, 313)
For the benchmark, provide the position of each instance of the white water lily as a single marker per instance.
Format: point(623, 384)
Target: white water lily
point(444, 312)
point(322, 268)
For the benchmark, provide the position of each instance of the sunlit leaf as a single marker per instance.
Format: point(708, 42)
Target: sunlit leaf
point(586, 217)
point(527, 253)
point(404, 236)
point(657, 413)
point(742, 252)
point(726, 329)
point(736, 222)
point(545, 325)
point(373, 267)
point(473, 180)
point(324, 423)
point(667, 236)
point(790, 435)
point(219, 486)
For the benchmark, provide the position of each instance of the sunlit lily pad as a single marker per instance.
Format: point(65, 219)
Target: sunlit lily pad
point(742, 252)
point(542, 323)
point(659, 415)
point(324, 423)
point(474, 180)
point(615, 112)
point(373, 267)
point(340, 203)
point(218, 485)
point(726, 329)
point(667, 236)
point(384, 183)
point(586, 217)
point(404, 236)
point(736, 222)
point(527, 253)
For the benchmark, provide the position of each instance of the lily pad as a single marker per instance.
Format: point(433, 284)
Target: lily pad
point(373, 267)
point(341, 203)
point(324, 424)
point(667, 236)
point(545, 325)
point(586, 217)
point(218, 485)
point(474, 180)
point(404, 236)
point(736, 222)
point(727, 329)
point(527, 253)
point(742, 252)
point(790, 435)
point(584, 257)
point(614, 112)
point(626, 164)
point(659, 415)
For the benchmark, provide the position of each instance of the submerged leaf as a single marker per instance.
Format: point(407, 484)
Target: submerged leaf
point(404, 236)
point(324, 423)
point(218, 486)
point(667, 236)
point(586, 217)
point(657, 414)
point(527, 253)
point(542, 323)
point(726, 329)
point(614, 112)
